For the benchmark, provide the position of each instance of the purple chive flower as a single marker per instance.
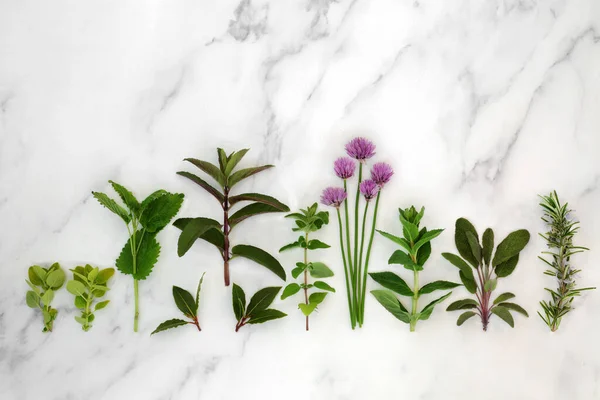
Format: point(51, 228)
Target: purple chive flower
point(333, 196)
point(360, 148)
point(381, 173)
point(369, 189)
point(344, 167)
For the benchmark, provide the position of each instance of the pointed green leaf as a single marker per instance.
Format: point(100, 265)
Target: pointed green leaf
point(233, 161)
point(101, 305)
point(317, 297)
point(323, 286)
point(465, 316)
point(503, 297)
point(185, 302)
point(112, 206)
point(203, 184)
point(426, 238)
point(32, 299)
point(462, 243)
point(428, 309)
point(475, 247)
point(126, 196)
point(236, 177)
point(466, 273)
point(317, 244)
point(511, 246)
point(259, 198)
point(290, 290)
point(265, 315)
point(298, 270)
point(222, 159)
point(462, 305)
point(238, 301)
point(400, 257)
point(437, 285)
point(469, 283)
point(160, 211)
point(393, 282)
point(212, 170)
point(172, 323)
point(212, 236)
point(401, 241)
point(194, 229)
point(289, 246)
point(261, 257)
point(198, 291)
point(151, 197)
point(514, 307)
point(504, 314)
point(251, 210)
point(488, 245)
point(262, 299)
point(507, 267)
point(319, 270)
point(389, 301)
point(423, 254)
point(148, 251)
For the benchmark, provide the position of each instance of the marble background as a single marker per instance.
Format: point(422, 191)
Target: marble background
point(479, 105)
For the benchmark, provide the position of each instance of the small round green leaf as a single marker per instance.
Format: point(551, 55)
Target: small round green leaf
point(290, 290)
point(319, 270)
point(56, 279)
point(77, 288)
point(32, 299)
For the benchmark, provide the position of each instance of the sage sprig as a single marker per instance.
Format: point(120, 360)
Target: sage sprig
point(219, 234)
point(143, 220)
point(257, 310)
point(187, 304)
point(559, 238)
point(308, 221)
point(44, 282)
point(416, 245)
point(478, 257)
point(88, 284)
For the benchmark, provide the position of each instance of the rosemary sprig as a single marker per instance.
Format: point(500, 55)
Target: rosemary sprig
point(562, 229)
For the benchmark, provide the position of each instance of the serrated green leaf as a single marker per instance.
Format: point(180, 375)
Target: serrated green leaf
point(463, 226)
point(488, 245)
point(212, 170)
point(266, 315)
point(203, 184)
point(262, 299)
point(261, 257)
point(172, 323)
point(462, 305)
point(32, 299)
point(101, 305)
point(160, 211)
point(233, 161)
point(198, 291)
point(238, 301)
point(507, 267)
point(323, 286)
point(193, 230)
point(290, 290)
point(319, 270)
point(252, 210)
point(185, 302)
point(105, 275)
point(147, 256)
point(56, 279)
point(464, 316)
point(112, 206)
point(389, 301)
point(128, 198)
point(504, 314)
point(76, 288)
point(151, 197)
point(514, 307)
point(428, 309)
point(511, 246)
point(503, 297)
point(317, 244)
point(317, 297)
point(393, 282)
point(238, 176)
point(437, 285)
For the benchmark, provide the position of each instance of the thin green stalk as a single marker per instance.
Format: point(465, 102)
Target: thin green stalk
point(362, 245)
point(349, 248)
point(133, 245)
point(352, 316)
point(364, 288)
point(306, 275)
point(357, 261)
point(415, 300)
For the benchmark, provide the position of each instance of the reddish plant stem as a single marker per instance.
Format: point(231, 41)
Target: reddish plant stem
point(196, 323)
point(241, 323)
point(226, 255)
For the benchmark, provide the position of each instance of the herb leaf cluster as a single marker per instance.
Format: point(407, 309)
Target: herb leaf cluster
point(187, 304)
point(44, 282)
point(88, 284)
point(257, 311)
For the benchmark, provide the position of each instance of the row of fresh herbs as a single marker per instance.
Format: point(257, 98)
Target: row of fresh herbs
point(478, 270)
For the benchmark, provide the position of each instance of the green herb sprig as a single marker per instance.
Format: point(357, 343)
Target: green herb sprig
point(559, 238)
point(44, 282)
point(187, 304)
point(143, 220)
point(308, 221)
point(488, 271)
point(218, 234)
point(88, 284)
point(257, 310)
point(416, 245)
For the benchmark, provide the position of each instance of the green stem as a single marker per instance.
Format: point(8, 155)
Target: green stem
point(364, 288)
point(362, 245)
point(357, 261)
point(415, 300)
point(133, 245)
point(352, 316)
point(306, 275)
point(349, 248)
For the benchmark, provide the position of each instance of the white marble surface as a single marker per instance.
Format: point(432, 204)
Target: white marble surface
point(478, 105)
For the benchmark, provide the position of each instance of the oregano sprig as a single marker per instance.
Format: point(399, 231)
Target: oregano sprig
point(478, 257)
point(44, 282)
point(187, 304)
point(88, 284)
point(416, 249)
point(307, 221)
point(559, 238)
point(218, 234)
point(257, 310)
point(143, 220)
